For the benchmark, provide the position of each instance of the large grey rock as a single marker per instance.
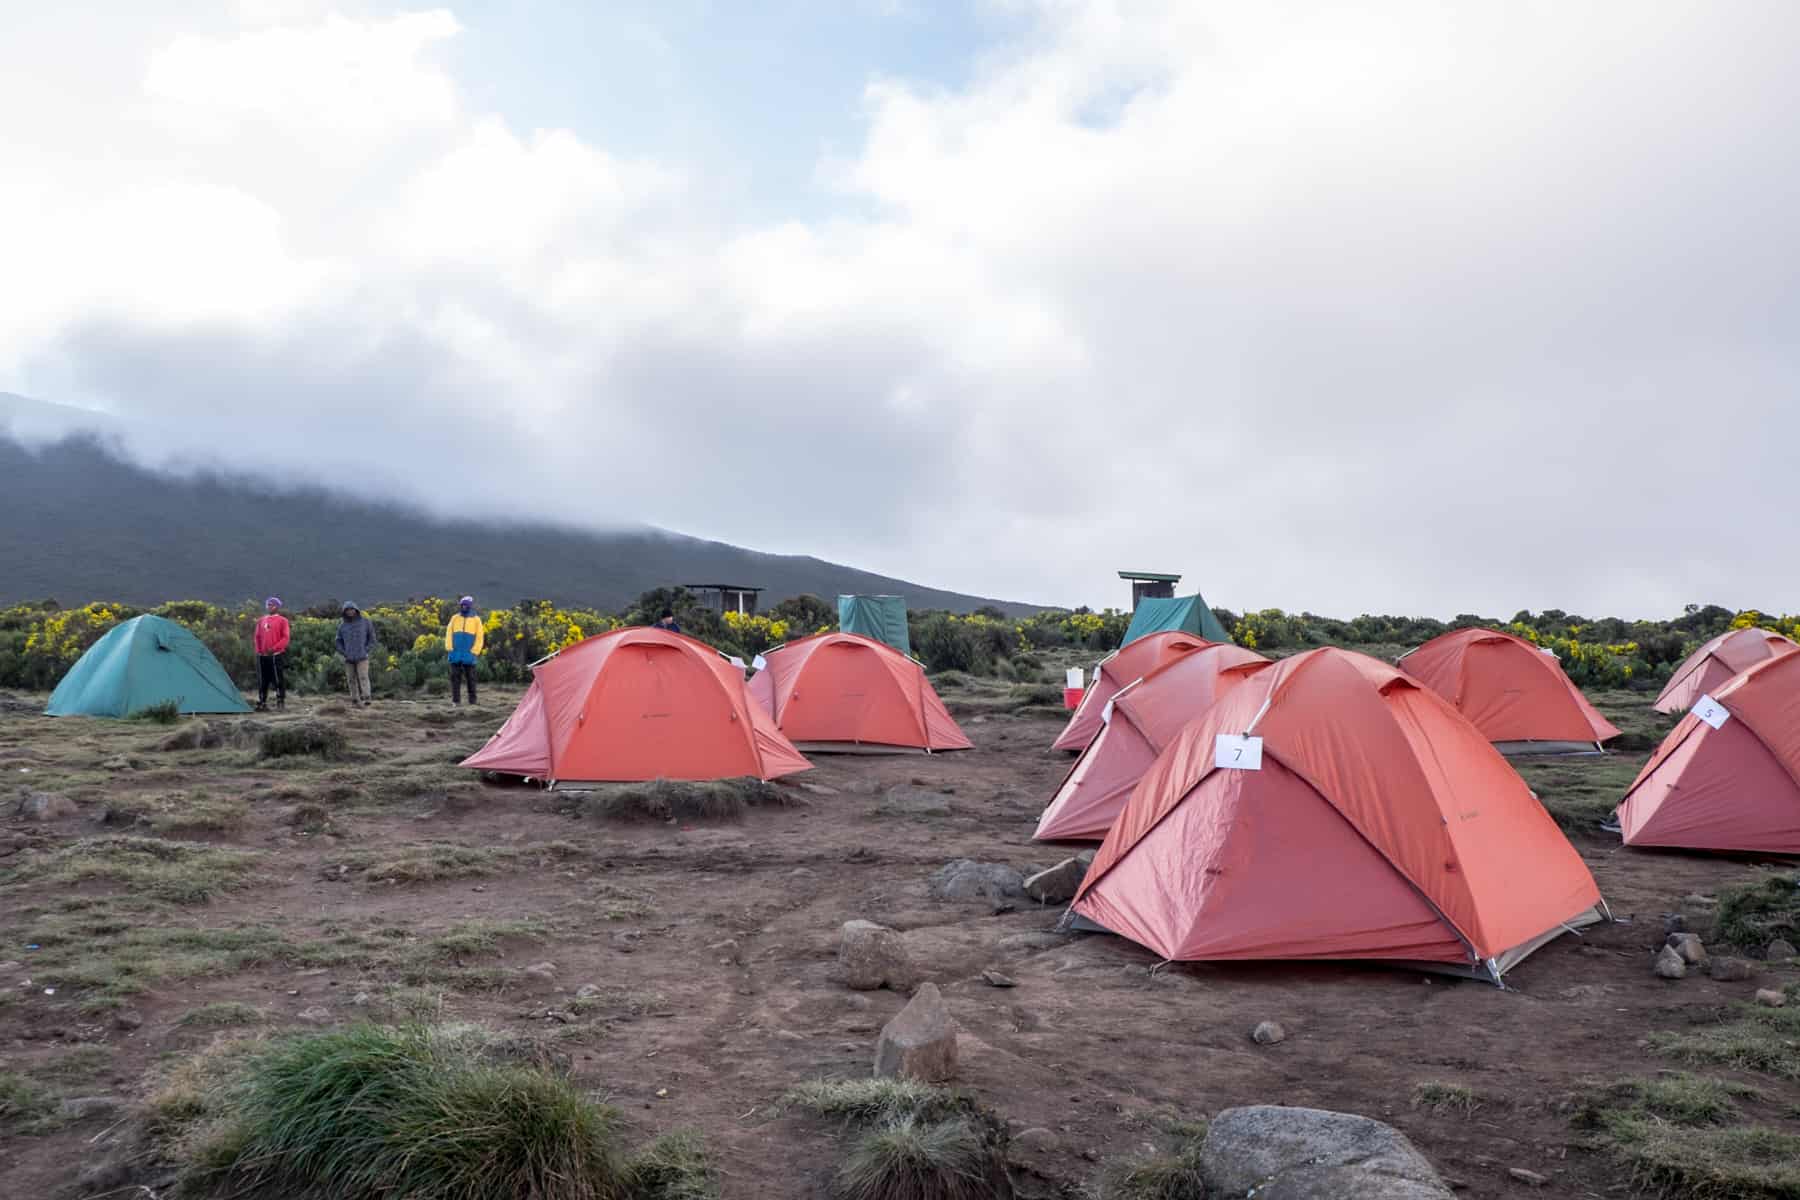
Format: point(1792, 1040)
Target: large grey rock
point(872, 956)
point(42, 806)
point(1059, 884)
point(920, 1042)
point(1770, 998)
point(1730, 970)
point(1781, 949)
point(1278, 1153)
point(1669, 964)
point(966, 879)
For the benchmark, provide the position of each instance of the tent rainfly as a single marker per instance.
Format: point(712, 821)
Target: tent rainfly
point(852, 694)
point(1514, 692)
point(1184, 614)
point(140, 663)
point(1707, 669)
point(1117, 670)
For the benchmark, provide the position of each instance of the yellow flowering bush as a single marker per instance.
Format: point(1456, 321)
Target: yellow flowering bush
point(754, 634)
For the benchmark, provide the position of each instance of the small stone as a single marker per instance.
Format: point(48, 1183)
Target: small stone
point(79, 1107)
point(872, 956)
point(1696, 898)
point(1669, 964)
point(1781, 949)
point(542, 970)
point(587, 991)
point(1059, 884)
point(1690, 947)
point(728, 950)
point(361, 999)
point(920, 1042)
point(626, 940)
point(1770, 998)
point(315, 1015)
point(1267, 1033)
point(1529, 1178)
point(1674, 923)
point(117, 762)
point(127, 1020)
point(1730, 970)
point(1037, 1137)
point(996, 979)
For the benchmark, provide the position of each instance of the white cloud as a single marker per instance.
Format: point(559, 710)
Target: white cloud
point(1425, 308)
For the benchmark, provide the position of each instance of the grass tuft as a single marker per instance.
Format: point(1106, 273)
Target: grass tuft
point(910, 1159)
point(319, 739)
point(1750, 916)
point(675, 1166)
point(222, 1014)
point(427, 862)
point(408, 1111)
point(1436, 1096)
point(677, 799)
point(1682, 1135)
point(1173, 1175)
point(1757, 1039)
point(165, 712)
point(26, 1106)
point(868, 1101)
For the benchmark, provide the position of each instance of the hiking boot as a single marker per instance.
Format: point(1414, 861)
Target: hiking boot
point(262, 706)
point(281, 705)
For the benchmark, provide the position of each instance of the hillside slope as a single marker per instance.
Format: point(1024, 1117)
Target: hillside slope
point(81, 524)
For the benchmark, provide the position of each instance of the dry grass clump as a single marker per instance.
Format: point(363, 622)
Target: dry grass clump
point(1750, 916)
point(318, 739)
point(1165, 1175)
point(178, 872)
point(907, 1158)
point(1684, 1135)
point(676, 799)
point(1434, 1095)
point(1756, 1039)
point(165, 712)
point(428, 862)
point(866, 1101)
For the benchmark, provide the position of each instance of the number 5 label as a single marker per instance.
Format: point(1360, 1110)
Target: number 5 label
point(1234, 751)
point(1711, 711)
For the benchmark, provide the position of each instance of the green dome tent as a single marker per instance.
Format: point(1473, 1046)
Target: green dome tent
point(880, 617)
point(1179, 614)
point(140, 663)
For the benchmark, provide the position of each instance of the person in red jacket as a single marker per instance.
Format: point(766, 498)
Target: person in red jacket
point(271, 655)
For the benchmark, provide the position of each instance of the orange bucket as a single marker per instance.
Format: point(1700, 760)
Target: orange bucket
point(1072, 697)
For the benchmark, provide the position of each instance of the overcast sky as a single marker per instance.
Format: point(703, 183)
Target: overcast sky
point(1402, 307)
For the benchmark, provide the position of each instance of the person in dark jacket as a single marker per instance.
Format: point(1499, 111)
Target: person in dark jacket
point(356, 642)
point(666, 621)
point(464, 639)
point(271, 643)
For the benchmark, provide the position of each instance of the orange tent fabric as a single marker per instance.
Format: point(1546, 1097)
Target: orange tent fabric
point(1513, 691)
point(838, 691)
point(1706, 669)
point(1734, 787)
point(1145, 717)
point(1380, 825)
point(638, 704)
point(1119, 670)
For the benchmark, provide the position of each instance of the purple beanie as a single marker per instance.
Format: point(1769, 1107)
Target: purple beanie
point(275, 600)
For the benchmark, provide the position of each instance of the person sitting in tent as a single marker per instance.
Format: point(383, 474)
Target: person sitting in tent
point(356, 642)
point(464, 639)
point(665, 621)
point(271, 642)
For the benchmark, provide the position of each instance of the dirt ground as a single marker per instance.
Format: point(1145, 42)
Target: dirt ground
point(337, 916)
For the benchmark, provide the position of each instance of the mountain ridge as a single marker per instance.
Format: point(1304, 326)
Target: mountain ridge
point(86, 524)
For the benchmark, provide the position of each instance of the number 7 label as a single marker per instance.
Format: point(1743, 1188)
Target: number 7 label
point(1236, 752)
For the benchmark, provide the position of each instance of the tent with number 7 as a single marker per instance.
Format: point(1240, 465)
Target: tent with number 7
point(1330, 807)
point(1728, 775)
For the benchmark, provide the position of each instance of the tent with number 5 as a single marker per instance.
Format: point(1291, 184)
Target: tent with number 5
point(1707, 669)
point(1330, 807)
point(1728, 776)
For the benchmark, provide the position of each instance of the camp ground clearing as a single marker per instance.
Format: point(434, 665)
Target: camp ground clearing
point(683, 963)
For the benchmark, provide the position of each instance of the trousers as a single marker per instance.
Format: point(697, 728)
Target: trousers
point(271, 669)
point(458, 673)
point(357, 674)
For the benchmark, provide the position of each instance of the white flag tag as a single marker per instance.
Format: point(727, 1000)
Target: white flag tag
point(1547, 650)
point(1237, 752)
point(1072, 678)
point(1711, 711)
point(1106, 714)
point(758, 663)
point(735, 661)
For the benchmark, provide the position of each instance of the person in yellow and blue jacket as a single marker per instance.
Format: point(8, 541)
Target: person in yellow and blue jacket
point(465, 639)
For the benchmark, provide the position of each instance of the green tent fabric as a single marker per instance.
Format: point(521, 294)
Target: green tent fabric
point(143, 662)
point(880, 617)
point(1185, 614)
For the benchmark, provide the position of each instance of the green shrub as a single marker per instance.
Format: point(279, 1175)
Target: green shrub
point(410, 1111)
point(945, 644)
point(1750, 916)
point(166, 712)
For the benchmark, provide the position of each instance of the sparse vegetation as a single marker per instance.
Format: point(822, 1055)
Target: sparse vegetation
point(1164, 1175)
point(867, 1101)
point(166, 712)
point(223, 1014)
point(179, 872)
point(1437, 1096)
point(907, 1158)
point(1752, 915)
point(1756, 1039)
point(1683, 1135)
point(26, 1106)
point(676, 799)
point(432, 861)
point(675, 1166)
point(319, 739)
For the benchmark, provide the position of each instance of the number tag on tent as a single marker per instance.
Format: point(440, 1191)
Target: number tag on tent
point(1237, 752)
point(758, 663)
point(1711, 711)
point(1072, 677)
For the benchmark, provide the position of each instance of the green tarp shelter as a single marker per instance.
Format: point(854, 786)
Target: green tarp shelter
point(880, 617)
point(1184, 614)
point(144, 662)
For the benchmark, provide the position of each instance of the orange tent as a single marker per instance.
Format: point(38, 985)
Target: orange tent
point(846, 692)
point(1707, 668)
point(1514, 692)
point(636, 704)
point(1367, 820)
point(1142, 719)
point(1728, 776)
point(1117, 670)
